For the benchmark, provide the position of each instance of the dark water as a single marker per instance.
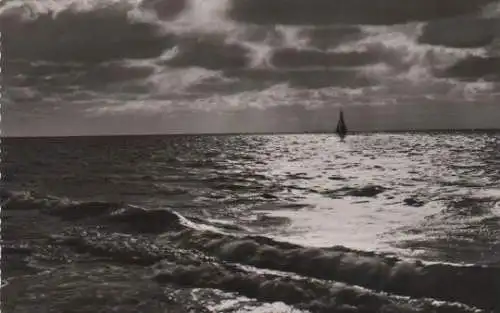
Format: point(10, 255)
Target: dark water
point(75, 67)
point(289, 223)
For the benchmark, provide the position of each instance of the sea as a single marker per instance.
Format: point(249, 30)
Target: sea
point(291, 219)
point(387, 222)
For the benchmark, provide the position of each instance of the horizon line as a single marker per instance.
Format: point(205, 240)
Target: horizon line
point(313, 132)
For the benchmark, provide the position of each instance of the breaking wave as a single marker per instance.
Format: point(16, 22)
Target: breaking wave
point(196, 253)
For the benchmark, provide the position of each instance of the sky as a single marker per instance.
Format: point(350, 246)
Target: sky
point(201, 70)
point(289, 119)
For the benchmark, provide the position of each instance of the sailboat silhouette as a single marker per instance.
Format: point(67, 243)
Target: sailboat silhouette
point(341, 127)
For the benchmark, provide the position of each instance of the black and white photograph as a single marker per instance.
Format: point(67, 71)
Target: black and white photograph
point(250, 156)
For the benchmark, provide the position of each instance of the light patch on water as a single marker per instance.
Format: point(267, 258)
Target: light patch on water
point(418, 180)
point(198, 226)
point(276, 307)
point(365, 226)
point(490, 192)
point(496, 208)
point(250, 306)
point(226, 302)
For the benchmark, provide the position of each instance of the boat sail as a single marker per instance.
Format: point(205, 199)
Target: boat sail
point(341, 127)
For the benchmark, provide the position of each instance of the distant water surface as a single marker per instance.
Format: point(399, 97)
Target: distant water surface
point(304, 204)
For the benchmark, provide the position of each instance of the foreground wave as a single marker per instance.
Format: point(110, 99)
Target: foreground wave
point(195, 253)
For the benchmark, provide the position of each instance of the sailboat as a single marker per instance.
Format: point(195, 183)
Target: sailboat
point(341, 128)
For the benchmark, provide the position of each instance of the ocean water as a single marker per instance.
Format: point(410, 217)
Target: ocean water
point(405, 222)
point(74, 67)
point(390, 222)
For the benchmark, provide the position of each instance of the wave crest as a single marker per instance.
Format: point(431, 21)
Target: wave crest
point(196, 254)
point(354, 267)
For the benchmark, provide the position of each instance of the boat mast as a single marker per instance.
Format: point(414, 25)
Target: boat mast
point(341, 127)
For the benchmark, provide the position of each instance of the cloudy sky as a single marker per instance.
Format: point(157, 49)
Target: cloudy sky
point(117, 67)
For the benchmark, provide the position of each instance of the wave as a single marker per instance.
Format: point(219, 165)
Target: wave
point(303, 293)
point(354, 267)
point(125, 217)
point(196, 253)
